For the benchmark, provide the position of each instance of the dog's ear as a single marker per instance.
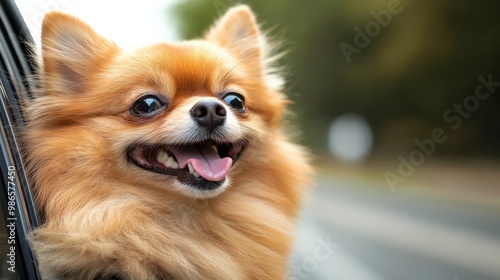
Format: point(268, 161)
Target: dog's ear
point(70, 51)
point(238, 32)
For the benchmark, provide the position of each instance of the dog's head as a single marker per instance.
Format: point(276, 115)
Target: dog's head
point(183, 117)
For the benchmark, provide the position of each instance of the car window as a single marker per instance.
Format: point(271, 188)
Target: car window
point(17, 208)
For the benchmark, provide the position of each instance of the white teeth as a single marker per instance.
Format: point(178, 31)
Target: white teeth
point(214, 148)
point(169, 162)
point(172, 163)
point(160, 156)
point(163, 158)
point(191, 170)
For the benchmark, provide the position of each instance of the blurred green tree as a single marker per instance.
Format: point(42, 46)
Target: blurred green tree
point(418, 63)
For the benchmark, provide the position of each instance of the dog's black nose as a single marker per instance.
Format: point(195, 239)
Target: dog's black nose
point(209, 114)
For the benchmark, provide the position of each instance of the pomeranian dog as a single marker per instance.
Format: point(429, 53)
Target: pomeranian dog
point(169, 162)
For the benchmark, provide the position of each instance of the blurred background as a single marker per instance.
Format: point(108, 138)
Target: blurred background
point(399, 101)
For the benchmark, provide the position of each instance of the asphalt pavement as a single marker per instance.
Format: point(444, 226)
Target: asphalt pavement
point(362, 230)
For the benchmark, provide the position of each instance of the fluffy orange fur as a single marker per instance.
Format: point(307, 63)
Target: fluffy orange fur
point(105, 217)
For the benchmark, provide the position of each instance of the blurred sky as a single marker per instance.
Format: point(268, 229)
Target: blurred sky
point(144, 21)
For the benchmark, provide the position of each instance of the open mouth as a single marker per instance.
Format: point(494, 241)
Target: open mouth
point(202, 165)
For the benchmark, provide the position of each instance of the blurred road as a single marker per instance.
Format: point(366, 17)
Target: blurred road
point(352, 230)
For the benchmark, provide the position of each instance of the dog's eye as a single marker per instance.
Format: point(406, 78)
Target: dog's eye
point(235, 100)
point(147, 106)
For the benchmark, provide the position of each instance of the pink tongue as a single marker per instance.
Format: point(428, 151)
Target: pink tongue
point(204, 160)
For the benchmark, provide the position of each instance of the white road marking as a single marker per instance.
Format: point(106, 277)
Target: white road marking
point(452, 245)
point(339, 265)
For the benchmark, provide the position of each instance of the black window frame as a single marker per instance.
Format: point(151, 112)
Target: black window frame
point(16, 71)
